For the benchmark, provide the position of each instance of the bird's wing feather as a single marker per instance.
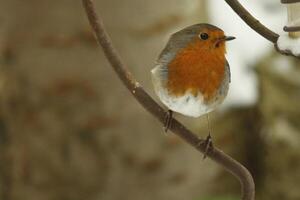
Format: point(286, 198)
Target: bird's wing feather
point(160, 72)
point(176, 42)
point(227, 70)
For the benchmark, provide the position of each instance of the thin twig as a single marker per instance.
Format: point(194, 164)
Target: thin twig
point(231, 165)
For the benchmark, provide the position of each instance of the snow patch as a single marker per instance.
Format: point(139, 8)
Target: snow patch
point(286, 43)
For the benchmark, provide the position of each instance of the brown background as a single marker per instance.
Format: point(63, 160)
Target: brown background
point(70, 130)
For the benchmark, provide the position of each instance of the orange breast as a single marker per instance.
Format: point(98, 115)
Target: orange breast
point(198, 70)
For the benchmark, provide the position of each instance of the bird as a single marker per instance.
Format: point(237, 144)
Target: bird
point(191, 75)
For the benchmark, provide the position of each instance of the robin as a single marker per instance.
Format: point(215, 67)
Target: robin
point(192, 75)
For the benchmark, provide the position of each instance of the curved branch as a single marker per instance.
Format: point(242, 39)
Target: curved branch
point(231, 165)
point(252, 22)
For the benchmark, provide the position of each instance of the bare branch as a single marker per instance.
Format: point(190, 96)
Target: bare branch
point(252, 22)
point(231, 165)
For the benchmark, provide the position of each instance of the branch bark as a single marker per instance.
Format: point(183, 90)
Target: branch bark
point(231, 165)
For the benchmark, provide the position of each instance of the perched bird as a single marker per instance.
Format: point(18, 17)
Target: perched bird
point(192, 75)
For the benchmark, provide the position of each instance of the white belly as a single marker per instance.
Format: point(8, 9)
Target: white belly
point(187, 104)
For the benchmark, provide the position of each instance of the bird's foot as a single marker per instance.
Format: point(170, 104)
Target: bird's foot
point(168, 120)
point(208, 145)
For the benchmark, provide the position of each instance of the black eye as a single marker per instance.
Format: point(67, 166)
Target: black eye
point(204, 36)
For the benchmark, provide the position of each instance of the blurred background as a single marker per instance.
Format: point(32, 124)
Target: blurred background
point(69, 130)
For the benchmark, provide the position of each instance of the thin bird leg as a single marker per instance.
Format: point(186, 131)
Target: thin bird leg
point(168, 120)
point(208, 141)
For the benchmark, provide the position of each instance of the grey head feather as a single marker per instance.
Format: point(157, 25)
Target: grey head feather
point(180, 39)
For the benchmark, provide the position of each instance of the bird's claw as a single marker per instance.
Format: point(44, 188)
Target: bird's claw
point(168, 120)
point(208, 145)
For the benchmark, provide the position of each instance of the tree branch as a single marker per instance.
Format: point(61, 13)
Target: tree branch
point(231, 165)
point(257, 26)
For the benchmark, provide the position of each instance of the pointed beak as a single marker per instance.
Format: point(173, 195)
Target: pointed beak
point(228, 38)
point(222, 39)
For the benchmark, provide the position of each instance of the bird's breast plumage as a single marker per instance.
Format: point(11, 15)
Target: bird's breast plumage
point(196, 70)
point(191, 102)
